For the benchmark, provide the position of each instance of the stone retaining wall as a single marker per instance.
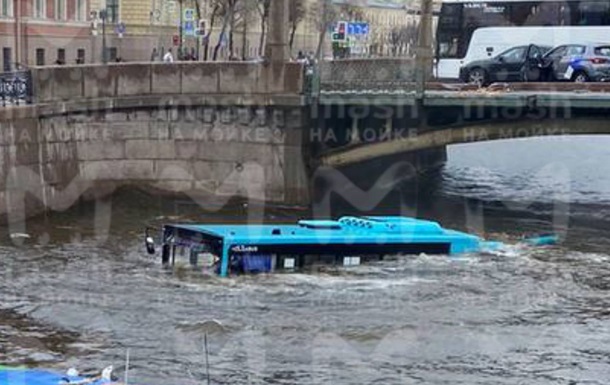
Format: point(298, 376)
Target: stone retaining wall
point(50, 161)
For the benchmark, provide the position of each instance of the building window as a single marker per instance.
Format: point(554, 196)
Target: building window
point(60, 9)
point(7, 59)
point(112, 7)
point(80, 56)
point(113, 53)
point(40, 57)
point(61, 56)
point(81, 10)
point(7, 8)
point(40, 9)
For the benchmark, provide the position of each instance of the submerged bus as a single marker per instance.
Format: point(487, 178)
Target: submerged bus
point(477, 29)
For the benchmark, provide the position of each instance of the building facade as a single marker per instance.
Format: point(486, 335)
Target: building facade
point(45, 32)
point(42, 32)
point(156, 24)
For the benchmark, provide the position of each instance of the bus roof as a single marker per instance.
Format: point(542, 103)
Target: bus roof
point(352, 229)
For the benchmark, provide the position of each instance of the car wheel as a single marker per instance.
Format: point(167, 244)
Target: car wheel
point(580, 77)
point(477, 76)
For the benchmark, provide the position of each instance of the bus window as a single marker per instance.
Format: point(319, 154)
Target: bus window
point(485, 15)
point(450, 31)
point(593, 13)
point(519, 13)
point(448, 49)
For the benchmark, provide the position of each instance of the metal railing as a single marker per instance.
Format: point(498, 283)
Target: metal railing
point(392, 75)
point(16, 88)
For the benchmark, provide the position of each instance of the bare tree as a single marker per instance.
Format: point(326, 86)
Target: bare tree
point(227, 11)
point(351, 13)
point(216, 7)
point(246, 12)
point(402, 39)
point(296, 14)
point(325, 15)
point(263, 10)
point(395, 39)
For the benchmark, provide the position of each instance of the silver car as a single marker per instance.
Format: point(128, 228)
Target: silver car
point(577, 63)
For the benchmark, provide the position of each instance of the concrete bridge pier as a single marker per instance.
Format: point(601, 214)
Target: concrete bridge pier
point(391, 183)
point(339, 127)
point(378, 180)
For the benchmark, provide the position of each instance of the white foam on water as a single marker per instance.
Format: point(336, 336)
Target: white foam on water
point(593, 257)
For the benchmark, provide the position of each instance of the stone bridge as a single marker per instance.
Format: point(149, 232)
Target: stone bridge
point(256, 131)
point(213, 131)
point(355, 127)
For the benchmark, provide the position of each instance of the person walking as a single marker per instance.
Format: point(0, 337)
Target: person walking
point(169, 57)
point(154, 55)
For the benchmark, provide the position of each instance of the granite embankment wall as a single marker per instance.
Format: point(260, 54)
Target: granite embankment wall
point(207, 144)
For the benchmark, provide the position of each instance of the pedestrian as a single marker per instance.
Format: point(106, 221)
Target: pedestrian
point(168, 58)
point(154, 55)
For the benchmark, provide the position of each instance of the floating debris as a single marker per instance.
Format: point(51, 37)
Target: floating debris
point(20, 236)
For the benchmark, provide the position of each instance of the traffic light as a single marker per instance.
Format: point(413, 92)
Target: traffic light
point(201, 28)
point(340, 32)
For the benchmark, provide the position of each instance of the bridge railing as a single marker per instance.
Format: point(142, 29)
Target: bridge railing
point(362, 75)
point(15, 88)
point(237, 79)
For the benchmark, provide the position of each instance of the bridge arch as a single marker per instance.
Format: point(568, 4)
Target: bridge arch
point(440, 138)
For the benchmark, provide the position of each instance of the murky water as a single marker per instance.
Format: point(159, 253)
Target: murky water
point(517, 317)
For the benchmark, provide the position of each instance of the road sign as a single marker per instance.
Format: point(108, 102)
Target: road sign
point(189, 28)
point(120, 29)
point(170, 6)
point(358, 28)
point(189, 14)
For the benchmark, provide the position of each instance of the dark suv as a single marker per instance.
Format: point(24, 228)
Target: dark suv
point(521, 63)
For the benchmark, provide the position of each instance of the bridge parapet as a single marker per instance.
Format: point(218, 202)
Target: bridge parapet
point(69, 83)
point(386, 74)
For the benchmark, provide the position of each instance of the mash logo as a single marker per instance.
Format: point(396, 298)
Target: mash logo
point(244, 249)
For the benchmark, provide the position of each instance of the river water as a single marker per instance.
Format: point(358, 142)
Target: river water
point(519, 316)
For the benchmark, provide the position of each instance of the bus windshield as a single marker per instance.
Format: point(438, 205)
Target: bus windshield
point(458, 20)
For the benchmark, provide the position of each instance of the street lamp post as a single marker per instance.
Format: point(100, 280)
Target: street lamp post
point(180, 48)
point(424, 50)
point(103, 16)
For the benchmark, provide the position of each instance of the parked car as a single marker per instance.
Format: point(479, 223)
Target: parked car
point(521, 63)
point(578, 63)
